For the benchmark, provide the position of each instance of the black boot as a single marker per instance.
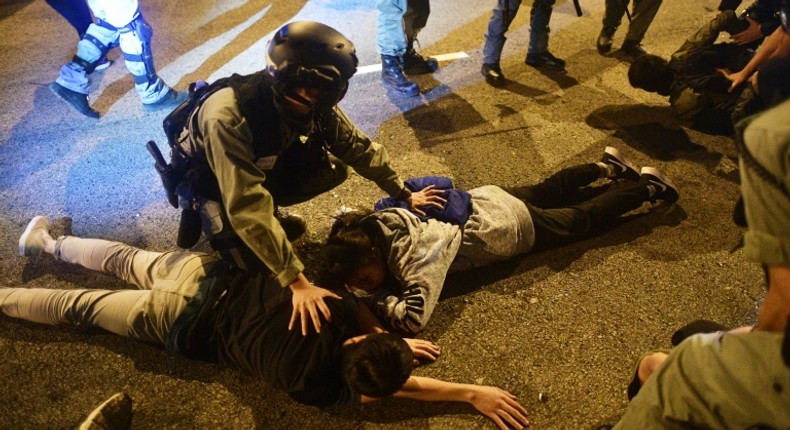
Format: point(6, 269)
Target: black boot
point(604, 42)
point(493, 75)
point(416, 64)
point(392, 76)
point(633, 48)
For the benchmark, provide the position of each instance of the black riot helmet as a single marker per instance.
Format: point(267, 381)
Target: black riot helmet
point(307, 54)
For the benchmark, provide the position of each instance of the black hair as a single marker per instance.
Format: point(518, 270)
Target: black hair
point(349, 246)
point(651, 73)
point(772, 81)
point(378, 365)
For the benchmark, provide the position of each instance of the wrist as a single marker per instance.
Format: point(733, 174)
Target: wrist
point(404, 194)
point(299, 283)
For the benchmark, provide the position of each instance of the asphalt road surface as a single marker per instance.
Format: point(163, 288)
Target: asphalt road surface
point(567, 323)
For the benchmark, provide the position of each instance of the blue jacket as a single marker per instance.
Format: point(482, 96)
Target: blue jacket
point(455, 211)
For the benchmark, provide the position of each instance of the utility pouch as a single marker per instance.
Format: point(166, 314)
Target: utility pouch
point(170, 178)
point(176, 120)
point(189, 229)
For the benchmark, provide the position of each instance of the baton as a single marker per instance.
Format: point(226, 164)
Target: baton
point(578, 8)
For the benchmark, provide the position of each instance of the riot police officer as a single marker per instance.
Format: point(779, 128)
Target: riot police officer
point(275, 138)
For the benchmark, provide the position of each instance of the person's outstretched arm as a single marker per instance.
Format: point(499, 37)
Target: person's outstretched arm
point(775, 45)
point(495, 403)
point(423, 350)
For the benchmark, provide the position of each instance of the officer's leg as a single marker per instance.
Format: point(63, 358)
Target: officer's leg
point(391, 41)
point(75, 12)
point(413, 21)
point(390, 36)
point(327, 178)
point(72, 84)
point(136, 46)
point(613, 14)
point(539, 26)
point(415, 18)
point(501, 17)
point(644, 12)
point(726, 21)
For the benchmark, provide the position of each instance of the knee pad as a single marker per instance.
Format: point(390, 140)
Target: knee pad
point(144, 33)
point(89, 66)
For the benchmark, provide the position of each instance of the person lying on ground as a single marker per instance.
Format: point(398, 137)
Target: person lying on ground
point(205, 308)
point(398, 260)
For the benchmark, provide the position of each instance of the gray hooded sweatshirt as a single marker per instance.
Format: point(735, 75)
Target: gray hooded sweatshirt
point(421, 253)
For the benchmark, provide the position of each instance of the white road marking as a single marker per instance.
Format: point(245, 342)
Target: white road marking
point(441, 57)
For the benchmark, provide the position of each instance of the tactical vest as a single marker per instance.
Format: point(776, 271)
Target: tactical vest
point(255, 100)
point(188, 179)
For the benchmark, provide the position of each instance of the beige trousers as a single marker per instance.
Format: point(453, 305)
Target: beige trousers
point(165, 281)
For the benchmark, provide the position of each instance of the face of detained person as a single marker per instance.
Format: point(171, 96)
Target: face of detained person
point(370, 276)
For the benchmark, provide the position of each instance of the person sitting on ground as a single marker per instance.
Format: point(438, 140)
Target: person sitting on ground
point(399, 259)
point(738, 378)
point(698, 93)
point(205, 308)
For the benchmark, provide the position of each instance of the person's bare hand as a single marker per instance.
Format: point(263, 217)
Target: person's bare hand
point(423, 349)
point(427, 196)
point(308, 301)
point(749, 35)
point(737, 78)
point(500, 406)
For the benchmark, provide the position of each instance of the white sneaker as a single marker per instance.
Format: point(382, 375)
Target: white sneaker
point(32, 240)
point(662, 187)
point(114, 414)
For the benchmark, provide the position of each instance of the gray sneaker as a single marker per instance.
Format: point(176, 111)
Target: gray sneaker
point(77, 100)
point(32, 240)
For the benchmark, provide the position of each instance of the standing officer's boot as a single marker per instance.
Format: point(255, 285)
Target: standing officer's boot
point(604, 42)
point(416, 64)
point(392, 76)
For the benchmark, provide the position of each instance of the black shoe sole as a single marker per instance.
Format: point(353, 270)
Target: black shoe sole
point(409, 93)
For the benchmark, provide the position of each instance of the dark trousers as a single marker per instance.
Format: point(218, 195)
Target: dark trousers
point(558, 220)
point(76, 13)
